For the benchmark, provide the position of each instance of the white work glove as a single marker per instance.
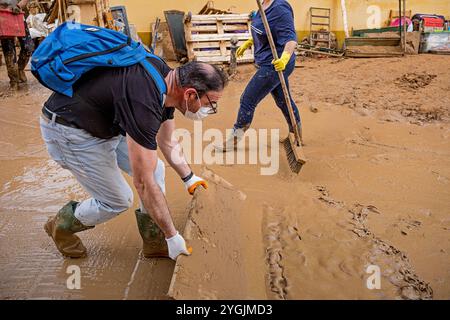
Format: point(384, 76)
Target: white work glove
point(177, 246)
point(193, 183)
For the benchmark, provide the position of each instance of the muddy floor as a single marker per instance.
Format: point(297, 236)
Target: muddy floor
point(375, 191)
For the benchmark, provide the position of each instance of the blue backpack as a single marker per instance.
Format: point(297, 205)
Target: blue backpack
point(73, 49)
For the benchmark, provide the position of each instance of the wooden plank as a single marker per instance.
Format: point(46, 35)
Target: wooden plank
point(212, 44)
point(212, 53)
point(378, 41)
point(235, 27)
point(213, 28)
point(223, 48)
point(190, 51)
point(201, 45)
point(209, 53)
point(213, 18)
point(226, 58)
point(219, 37)
point(203, 28)
point(225, 21)
point(201, 17)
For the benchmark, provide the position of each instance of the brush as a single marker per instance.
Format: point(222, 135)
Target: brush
point(293, 143)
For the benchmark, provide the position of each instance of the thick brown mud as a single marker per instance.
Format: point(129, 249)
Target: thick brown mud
point(375, 191)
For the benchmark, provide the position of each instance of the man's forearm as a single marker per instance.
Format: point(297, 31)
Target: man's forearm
point(175, 157)
point(156, 204)
point(171, 149)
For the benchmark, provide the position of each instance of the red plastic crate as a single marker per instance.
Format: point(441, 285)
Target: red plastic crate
point(11, 25)
point(433, 22)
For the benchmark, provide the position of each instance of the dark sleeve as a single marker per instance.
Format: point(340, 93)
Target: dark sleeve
point(285, 27)
point(168, 114)
point(141, 121)
point(140, 111)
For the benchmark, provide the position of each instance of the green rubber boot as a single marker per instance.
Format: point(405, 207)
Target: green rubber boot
point(62, 228)
point(154, 242)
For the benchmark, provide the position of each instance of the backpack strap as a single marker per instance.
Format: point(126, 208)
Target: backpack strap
point(156, 75)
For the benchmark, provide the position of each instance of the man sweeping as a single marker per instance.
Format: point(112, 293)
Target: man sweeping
point(116, 120)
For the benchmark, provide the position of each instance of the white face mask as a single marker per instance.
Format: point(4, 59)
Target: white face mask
point(201, 113)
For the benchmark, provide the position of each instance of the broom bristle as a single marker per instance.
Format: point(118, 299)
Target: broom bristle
point(294, 164)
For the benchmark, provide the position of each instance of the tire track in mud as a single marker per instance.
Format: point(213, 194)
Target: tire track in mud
point(282, 237)
point(279, 236)
point(403, 276)
point(400, 273)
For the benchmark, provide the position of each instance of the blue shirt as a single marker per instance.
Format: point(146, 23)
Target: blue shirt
point(281, 22)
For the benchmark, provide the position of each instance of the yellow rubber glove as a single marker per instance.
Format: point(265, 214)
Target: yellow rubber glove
point(247, 44)
point(280, 64)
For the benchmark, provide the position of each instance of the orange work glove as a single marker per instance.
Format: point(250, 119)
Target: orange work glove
point(193, 183)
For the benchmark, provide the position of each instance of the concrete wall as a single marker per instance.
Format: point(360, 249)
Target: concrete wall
point(143, 12)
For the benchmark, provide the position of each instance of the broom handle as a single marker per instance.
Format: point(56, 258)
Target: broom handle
point(280, 73)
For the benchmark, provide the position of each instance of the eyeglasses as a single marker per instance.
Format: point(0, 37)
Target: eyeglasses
point(213, 106)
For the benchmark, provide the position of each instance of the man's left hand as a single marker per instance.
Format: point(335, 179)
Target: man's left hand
point(193, 183)
point(281, 63)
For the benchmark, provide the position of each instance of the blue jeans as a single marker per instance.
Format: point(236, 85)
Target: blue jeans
point(265, 81)
point(96, 164)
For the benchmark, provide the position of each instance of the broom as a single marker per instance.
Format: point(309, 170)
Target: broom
point(292, 144)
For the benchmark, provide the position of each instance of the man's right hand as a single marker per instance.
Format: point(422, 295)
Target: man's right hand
point(177, 246)
point(241, 50)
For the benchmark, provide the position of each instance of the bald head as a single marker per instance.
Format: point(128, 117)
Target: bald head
point(202, 77)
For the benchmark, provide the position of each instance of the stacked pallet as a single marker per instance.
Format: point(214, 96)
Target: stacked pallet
point(208, 37)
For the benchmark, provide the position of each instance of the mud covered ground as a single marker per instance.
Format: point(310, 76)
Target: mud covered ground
point(375, 191)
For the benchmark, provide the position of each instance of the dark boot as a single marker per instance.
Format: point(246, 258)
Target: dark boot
point(13, 73)
point(21, 64)
point(154, 242)
point(62, 229)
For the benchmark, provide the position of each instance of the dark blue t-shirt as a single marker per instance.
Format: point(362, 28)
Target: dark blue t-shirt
point(281, 22)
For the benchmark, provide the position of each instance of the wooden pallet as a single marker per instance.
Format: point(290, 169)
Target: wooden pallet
point(208, 37)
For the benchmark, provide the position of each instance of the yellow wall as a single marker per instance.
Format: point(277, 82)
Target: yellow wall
point(143, 12)
point(357, 10)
